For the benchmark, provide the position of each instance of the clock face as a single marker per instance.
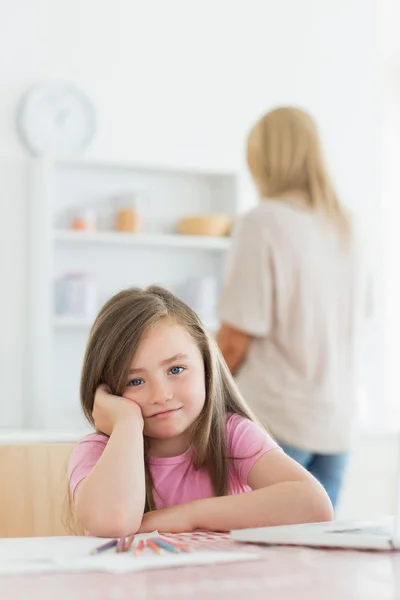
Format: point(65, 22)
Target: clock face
point(55, 120)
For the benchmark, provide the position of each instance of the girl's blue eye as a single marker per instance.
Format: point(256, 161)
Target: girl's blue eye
point(176, 370)
point(135, 382)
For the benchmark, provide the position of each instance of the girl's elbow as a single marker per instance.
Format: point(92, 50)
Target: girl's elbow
point(127, 525)
point(322, 513)
point(321, 507)
point(119, 528)
point(113, 524)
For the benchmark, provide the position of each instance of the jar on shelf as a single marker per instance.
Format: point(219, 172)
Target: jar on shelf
point(86, 220)
point(128, 217)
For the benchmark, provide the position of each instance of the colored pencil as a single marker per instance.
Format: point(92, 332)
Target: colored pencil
point(166, 545)
point(153, 546)
point(139, 548)
point(180, 545)
point(104, 547)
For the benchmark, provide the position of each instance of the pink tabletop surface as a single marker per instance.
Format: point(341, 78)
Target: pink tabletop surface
point(282, 573)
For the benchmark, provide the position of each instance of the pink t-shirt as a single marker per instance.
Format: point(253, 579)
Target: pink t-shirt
point(174, 478)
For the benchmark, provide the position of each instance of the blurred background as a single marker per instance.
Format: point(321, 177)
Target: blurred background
point(161, 96)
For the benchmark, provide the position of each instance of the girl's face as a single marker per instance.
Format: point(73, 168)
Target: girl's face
point(166, 380)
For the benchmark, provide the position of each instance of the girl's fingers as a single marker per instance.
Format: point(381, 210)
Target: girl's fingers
point(128, 543)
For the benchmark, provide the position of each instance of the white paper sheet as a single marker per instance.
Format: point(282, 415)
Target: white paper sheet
point(72, 554)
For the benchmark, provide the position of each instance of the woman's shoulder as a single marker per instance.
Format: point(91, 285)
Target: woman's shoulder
point(254, 214)
point(253, 223)
point(267, 214)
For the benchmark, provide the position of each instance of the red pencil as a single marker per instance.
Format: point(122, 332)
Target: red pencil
point(139, 548)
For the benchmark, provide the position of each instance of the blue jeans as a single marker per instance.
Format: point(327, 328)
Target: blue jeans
point(327, 468)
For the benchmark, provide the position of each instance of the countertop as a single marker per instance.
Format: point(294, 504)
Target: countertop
point(280, 574)
point(42, 436)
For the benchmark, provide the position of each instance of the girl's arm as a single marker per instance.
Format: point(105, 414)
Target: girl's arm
point(283, 493)
point(109, 502)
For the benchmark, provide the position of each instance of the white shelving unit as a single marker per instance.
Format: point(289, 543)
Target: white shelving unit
point(146, 239)
point(61, 189)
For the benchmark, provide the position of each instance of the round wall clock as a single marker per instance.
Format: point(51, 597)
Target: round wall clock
point(55, 119)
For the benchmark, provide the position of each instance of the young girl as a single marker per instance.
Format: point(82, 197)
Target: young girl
point(177, 448)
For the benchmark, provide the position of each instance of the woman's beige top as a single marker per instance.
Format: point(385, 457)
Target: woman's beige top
point(299, 291)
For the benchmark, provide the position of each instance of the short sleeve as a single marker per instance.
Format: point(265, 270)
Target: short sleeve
point(247, 442)
point(83, 458)
point(245, 302)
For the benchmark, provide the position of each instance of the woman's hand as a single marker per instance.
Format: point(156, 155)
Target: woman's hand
point(176, 519)
point(108, 410)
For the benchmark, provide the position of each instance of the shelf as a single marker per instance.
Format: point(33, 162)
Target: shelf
point(82, 324)
point(145, 239)
point(189, 169)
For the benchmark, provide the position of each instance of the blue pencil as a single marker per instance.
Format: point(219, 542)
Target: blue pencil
point(165, 545)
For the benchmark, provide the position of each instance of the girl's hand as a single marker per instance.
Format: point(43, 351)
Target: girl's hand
point(176, 519)
point(108, 410)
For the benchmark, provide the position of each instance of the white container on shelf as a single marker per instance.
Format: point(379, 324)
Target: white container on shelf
point(76, 296)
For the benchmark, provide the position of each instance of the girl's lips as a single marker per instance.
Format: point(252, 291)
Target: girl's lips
point(165, 414)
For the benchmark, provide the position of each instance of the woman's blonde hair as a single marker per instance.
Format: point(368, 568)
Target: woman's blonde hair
point(284, 155)
point(113, 341)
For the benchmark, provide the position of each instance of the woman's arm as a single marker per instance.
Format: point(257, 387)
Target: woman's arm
point(283, 493)
point(109, 502)
point(233, 345)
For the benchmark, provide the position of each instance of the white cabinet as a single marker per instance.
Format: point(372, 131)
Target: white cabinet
point(114, 260)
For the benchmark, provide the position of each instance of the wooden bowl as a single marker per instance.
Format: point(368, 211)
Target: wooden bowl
point(212, 225)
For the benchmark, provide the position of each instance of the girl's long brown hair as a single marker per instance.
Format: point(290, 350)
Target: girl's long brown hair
point(284, 155)
point(113, 341)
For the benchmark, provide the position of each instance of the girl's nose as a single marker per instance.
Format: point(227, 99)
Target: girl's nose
point(160, 393)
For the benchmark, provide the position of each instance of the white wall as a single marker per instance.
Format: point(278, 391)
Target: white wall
point(371, 482)
point(391, 193)
point(179, 83)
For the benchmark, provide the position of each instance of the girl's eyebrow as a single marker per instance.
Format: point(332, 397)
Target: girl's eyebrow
point(166, 361)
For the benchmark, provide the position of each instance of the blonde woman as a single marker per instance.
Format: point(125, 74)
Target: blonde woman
point(293, 301)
